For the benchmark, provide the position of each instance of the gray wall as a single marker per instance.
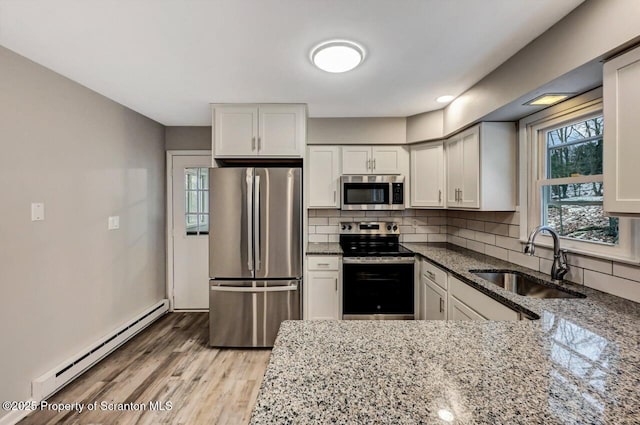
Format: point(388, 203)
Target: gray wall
point(383, 130)
point(591, 31)
point(187, 138)
point(68, 281)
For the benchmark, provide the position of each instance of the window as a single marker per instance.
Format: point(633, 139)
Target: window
point(572, 190)
point(564, 189)
point(197, 201)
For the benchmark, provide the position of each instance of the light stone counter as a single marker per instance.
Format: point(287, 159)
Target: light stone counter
point(578, 364)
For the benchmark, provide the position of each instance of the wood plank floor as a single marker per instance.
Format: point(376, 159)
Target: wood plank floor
point(167, 362)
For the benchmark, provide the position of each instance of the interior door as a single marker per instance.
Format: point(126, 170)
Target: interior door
point(278, 222)
point(190, 223)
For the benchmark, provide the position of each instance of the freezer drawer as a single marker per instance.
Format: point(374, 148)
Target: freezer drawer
point(249, 313)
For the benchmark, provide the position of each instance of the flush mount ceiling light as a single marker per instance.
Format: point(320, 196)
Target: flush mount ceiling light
point(337, 55)
point(548, 99)
point(445, 99)
point(446, 415)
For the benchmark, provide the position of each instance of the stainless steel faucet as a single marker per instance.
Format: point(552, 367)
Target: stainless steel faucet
point(560, 266)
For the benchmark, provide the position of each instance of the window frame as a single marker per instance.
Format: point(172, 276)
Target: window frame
point(533, 177)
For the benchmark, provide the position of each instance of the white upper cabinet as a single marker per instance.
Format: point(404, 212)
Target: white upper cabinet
point(324, 176)
point(276, 130)
point(481, 167)
point(374, 160)
point(621, 87)
point(427, 175)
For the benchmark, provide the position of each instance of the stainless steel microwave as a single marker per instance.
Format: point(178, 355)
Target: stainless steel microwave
point(372, 192)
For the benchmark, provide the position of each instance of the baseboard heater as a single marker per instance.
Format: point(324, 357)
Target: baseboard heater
point(58, 377)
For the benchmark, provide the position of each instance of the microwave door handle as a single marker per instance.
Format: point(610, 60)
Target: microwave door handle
point(249, 213)
point(256, 221)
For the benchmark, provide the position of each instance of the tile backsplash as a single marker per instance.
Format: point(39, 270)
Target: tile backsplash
point(497, 234)
point(493, 233)
point(415, 225)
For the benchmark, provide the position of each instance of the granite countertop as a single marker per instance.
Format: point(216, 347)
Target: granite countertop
point(578, 364)
point(324, 248)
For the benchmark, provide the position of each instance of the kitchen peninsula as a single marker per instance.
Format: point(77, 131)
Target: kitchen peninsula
point(579, 363)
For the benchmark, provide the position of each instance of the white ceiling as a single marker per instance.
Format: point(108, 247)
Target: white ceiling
point(168, 59)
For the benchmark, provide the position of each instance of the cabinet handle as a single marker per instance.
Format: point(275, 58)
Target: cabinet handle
point(368, 164)
point(430, 275)
point(259, 142)
point(336, 279)
point(460, 195)
point(374, 163)
point(253, 143)
point(441, 305)
point(439, 196)
point(323, 264)
point(334, 196)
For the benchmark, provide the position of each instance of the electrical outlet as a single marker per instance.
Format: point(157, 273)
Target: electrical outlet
point(37, 211)
point(114, 222)
point(415, 223)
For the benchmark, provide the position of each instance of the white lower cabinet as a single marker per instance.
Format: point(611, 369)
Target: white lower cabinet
point(322, 288)
point(444, 297)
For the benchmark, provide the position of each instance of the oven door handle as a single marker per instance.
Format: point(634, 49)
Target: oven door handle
point(378, 260)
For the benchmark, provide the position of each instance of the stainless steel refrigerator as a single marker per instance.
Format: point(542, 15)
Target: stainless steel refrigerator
point(255, 254)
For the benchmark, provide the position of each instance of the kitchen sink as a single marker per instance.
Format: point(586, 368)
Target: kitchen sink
point(523, 284)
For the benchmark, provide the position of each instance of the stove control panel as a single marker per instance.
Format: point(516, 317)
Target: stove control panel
point(369, 228)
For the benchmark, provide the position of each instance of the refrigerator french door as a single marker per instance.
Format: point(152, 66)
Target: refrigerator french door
point(255, 249)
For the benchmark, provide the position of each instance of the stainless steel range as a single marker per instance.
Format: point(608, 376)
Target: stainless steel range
point(378, 272)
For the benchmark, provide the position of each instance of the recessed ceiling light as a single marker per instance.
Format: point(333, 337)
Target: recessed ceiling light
point(548, 99)
point(337, 55)
point(445, 99)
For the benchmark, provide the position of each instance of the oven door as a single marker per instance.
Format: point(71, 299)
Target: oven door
point(378, 290)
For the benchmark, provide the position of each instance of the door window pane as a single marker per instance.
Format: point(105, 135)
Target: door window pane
point(196, 201)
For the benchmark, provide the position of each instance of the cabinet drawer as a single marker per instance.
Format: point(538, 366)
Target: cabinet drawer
point(479, 302)
point(434, 274)
point(324, 263)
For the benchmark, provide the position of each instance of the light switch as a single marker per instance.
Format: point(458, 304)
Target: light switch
point(37, 211)
point(114, 222)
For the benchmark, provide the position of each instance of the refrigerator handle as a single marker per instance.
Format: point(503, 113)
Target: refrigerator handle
point(256, 221)
point(249, 181)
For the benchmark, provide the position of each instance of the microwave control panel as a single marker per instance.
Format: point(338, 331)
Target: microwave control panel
point(397, 195)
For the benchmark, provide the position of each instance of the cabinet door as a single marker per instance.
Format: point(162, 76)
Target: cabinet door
point(434, 301)
point(324, 176)
point(621, 147)
point(427, 177)
point(356, 160)
point(387, 159)
point(453, 156)
point(322, 295)
point(460, 311)
point(468, 196)
point(281, 130)
point(235, 130)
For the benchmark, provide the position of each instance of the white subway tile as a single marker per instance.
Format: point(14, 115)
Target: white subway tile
point(596, 264)
point(407, 229)
point(457, 241)
point(377, 214)
point(514, 231)
point(475, 225)
point(459, 222)
point(352, 213)
point(334, 238)
point(414, 237)
point(318, 238)
point(626, 271)
point(437, 237)
point(427, 229)
point(328, 213)
point(509, 243)
point(315, 221)
point(327, 230)
point(312, 213)
point(337, 220)
point(408, 212)
point(524, 260)
point(485, 238)
point(436, 221)
point(496, 252)
point(476, 246)
point(497, 228)
point(312, 229)
point(467, 234)
point(624, 288)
